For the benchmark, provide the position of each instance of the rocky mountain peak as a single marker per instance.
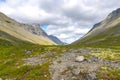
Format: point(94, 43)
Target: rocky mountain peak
point(115, 12)
point(114, 15)
point(111, 17)
point(35, 29)
point(104, 31)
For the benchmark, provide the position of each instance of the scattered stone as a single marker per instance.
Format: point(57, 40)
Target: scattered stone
point(10, 79)
point(93, 76)
point(94, 59)
point(71, 65)
point(84, 51)
point(76, 71)
point(62, 79)
point(74, 78)
point(28, 52)
point(45, 75)
point(54, 62)
point(79, 58)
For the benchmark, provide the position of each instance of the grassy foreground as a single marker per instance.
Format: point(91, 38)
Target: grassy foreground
point(13, 67)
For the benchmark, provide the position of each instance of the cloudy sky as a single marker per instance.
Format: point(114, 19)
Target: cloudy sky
point(66, 19)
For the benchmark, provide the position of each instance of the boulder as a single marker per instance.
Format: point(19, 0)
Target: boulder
point(79, 58)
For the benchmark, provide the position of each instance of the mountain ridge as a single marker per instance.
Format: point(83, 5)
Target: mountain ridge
point(102, 31)
point(56, 40)
point(18, 30)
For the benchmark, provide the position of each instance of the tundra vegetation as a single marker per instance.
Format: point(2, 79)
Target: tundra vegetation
point(14, 64)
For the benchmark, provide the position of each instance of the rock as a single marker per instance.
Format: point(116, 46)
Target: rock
point(76, 71)
point(45, 75)
point(74, 78)
point(1, 79)
point(79, 58)
point(94, 59)
point(92, 76)
point(9, 79)
point(84, 51)
point(28, 52)
point(54, 62)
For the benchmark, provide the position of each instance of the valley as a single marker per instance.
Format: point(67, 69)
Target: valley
point(29, 53)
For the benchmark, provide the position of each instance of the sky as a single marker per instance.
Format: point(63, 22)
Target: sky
point(67, 19)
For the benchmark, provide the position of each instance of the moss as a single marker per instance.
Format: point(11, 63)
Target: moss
point(109, 75)
point(39, 72)
point(107, 54)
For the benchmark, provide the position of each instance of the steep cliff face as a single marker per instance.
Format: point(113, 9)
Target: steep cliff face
point(104, 33)
point(25, 32)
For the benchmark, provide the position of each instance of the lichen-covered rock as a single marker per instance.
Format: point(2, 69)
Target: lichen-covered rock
point(79, 58)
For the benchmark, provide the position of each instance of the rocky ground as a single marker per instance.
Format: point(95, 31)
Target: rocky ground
point(76, 64)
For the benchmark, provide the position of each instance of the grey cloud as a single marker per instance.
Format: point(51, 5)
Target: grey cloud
point(60, 15)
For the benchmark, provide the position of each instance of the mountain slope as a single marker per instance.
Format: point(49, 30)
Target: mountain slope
point(17, 30)
point(36, 30)
point(105, 33)
point(56, 40)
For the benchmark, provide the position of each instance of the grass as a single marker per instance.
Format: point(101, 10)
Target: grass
point(107, 54)
point(108, 74)
point(110, 38)
point(39, 72)
point(12, 53)
point(12, 66)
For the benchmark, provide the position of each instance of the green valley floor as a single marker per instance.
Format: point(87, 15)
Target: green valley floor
point(35, 62)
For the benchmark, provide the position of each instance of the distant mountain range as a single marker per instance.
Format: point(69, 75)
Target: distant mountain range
point(56, 40)
point(104, 33)
point(13, 31)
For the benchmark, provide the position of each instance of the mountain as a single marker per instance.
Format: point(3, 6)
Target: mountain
point(56, 40)
point(104, 33)
point(35, 29)
point(13, 31)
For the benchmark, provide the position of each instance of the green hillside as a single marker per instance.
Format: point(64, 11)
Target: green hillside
point(16, 29)
point(108, 38)
point(105, 34)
